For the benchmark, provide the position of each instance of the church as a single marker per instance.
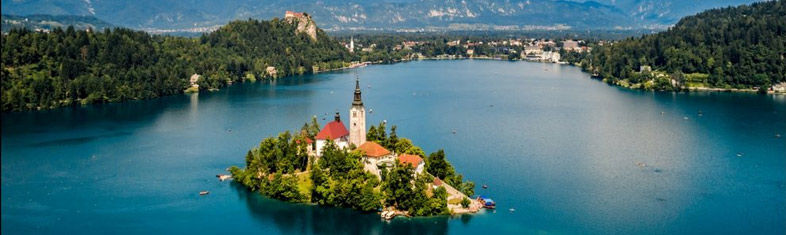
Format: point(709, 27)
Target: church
point(337, 131)
point(374, 155)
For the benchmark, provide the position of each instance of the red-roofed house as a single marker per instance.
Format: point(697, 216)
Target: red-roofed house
point(309, 142)
point(371, 149)
point(374, 155)
point(335, 131)
point(413, 160)
point(437, 182)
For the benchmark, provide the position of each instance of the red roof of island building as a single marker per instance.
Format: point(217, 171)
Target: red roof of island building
point(372, 149)
point(308, 140)
point(332, 130)
point(413, 160)
point(437, 182)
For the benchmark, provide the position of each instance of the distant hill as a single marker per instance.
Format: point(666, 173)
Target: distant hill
point(735, 47)
point(67, 67)
point(383, 14)
point(666, 12)
point(49, 22)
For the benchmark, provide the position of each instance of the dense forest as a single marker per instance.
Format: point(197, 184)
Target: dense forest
point(67, 66)
point(279, 168)
point(734, 47)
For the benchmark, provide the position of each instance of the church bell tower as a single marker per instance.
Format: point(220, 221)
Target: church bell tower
point(357, 118)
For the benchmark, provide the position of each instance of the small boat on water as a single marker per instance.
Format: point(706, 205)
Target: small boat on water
point(223, 177)
point(485, 186)
point(203, 193)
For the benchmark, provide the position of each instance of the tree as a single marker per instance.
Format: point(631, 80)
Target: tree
point(398, 186)
point(437, 166)
point(391, 141)
point(465, 202)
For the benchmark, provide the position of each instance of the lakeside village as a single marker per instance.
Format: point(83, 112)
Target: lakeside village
point(373, 50)
point(374, 171)
point(538, 50)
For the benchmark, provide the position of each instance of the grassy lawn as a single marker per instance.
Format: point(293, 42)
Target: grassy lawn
point(696, 84)
point(455, 201)
point(304, 184)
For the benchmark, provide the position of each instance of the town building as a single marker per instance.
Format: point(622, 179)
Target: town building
point(413, 160)
point(374, 156)
point(193, 80)
point(271, 71)
point(528, 50)
point(780, 87)
point(334, 131)
point(571, 45)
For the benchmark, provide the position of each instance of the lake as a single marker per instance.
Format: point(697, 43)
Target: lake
point(570, 154)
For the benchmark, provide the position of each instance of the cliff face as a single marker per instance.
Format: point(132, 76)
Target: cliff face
point(304, 25)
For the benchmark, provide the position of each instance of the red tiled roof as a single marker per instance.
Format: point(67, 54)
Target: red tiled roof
point(308, 140)
point(372, 149)
point(332, 130)
point(437, 182)
point(413, 160)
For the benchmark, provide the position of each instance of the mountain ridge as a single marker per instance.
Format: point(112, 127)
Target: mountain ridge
point(379, 15)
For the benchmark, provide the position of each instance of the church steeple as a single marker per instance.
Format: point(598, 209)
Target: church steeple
point(357, 100)
point(357, 118)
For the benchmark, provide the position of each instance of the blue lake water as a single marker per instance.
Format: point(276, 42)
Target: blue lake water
point(570, 154)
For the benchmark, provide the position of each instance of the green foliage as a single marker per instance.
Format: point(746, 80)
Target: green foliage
point(465, 202)
point(65, 67)
point(406, 191)
point(437, 166)
point(268, 167)
point(741, 47)
point(283, 188)
point(398, 187)
point(377, 134)
point(339, 179)
point(392, 141)
point(311, 129)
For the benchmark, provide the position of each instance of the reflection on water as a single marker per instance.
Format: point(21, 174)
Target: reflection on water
point(307, 219)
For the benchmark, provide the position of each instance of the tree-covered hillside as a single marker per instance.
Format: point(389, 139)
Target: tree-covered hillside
point(736, 47)
point(64, 67)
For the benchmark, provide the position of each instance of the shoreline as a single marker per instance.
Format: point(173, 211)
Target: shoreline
point(77, 103)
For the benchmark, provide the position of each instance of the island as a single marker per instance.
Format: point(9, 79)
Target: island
point(374, 171)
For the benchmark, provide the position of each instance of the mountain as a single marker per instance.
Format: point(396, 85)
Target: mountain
point(735, 47)
point(49, 22)
point(666, 12)
point(390, 14)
